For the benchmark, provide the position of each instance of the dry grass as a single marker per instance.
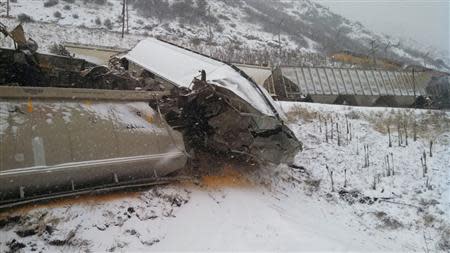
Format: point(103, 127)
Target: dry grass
point(298, 112)
point(428, 124)
point(387, 222)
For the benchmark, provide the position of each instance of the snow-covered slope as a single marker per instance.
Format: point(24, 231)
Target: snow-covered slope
point(276, 208)
point(303, 26)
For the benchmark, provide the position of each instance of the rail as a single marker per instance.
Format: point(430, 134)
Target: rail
point(79, 93)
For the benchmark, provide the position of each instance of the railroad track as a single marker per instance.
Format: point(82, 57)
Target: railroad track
point(96, 190)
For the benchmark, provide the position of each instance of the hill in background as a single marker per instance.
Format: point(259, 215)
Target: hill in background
point(279, 30)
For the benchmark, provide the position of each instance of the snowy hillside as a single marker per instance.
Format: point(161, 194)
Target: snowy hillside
point(381, 198)
point(244, 24)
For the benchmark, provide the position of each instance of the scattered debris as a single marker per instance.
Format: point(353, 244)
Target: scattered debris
point(150, 242)
point(354, 196)
point(15, 245)
point(67, 239)
point(26, 232)
point(9, 220)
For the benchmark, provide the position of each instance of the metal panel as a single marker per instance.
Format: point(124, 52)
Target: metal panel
point(62, 137)
point(339, 81)
point(401, 82)
point(347, 81)
point(301, 81)
point(257, 73)
point(323, 81)
point(408, 83)
point(387, 82)
point(407, 76)
point(308, 80)
point(381, 85)
point(394, 82)
point(356, 82)
point(364, 82)
point(332, 81)
point(411, 82)
point(270, 86)
point(316, 81)
point(372, 82)
point(290, 74)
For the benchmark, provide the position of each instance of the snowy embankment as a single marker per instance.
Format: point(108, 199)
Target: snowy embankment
point(374, 206)
point(90, 15)
point(237, 25)
point(47, 34)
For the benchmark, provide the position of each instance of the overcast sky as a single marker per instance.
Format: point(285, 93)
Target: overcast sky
point(426, 21)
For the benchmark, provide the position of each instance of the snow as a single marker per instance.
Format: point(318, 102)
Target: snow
point(233, 28)
point(180, 66)
point(278, 208)
point(234, 25)
point(137, 114)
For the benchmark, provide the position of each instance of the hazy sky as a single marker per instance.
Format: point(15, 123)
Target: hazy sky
point(426, 21)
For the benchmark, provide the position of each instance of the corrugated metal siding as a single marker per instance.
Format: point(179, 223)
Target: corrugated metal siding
point(337, 81)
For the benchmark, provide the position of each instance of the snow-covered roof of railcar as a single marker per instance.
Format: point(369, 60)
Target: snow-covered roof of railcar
point(179, 66)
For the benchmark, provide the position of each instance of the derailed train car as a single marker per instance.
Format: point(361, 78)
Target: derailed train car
point(100, 127)
point(223, 108)
point(61, 140)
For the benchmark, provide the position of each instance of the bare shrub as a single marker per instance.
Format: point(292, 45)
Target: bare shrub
point(444, 242)
point(221, 16)
point(353, 115)
point(196, 41)
point(429, 219)
point(299, 112)
point(24, 18)
point(108, 24)
point(57, 14)
point(388, 222)
point(98, 2)
point(313, 184)
point(50, 3)
point(148, 27)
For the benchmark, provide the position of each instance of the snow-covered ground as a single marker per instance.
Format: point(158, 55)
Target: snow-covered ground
point(276, 208)
point(235, 28)
point(90, 15)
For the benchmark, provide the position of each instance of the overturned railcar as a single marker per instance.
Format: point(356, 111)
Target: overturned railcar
point(56, 140)
point(223, 109)
point(67, 126)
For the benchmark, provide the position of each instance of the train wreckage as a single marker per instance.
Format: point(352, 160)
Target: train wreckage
point(68, 126)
